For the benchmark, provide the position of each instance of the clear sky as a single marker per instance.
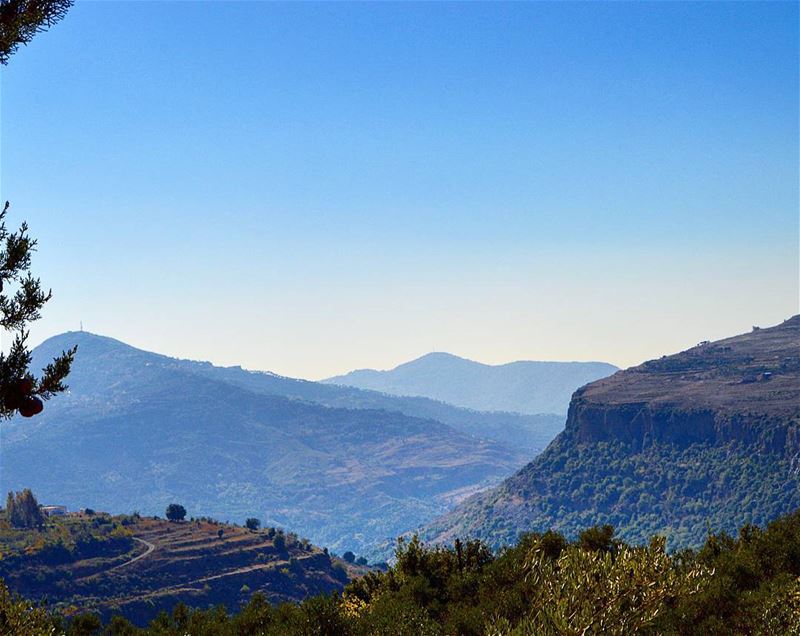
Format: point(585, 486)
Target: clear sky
point(311, 188)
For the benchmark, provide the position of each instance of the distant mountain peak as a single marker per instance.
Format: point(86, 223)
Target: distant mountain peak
point(524, 386)
point(439, 355)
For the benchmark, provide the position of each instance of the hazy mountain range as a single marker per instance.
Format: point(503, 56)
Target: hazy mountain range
point(709, 437)
point(345, 467)
point(520, 387)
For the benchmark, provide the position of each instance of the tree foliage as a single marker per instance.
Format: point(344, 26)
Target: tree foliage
point(175, 512)
point(589, 590)
point(23, 511)
point(21, 618)
point(744, 585)
point(21, 20)
point(21, 300)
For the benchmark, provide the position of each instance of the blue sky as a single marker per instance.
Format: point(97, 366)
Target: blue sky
point(310, 188)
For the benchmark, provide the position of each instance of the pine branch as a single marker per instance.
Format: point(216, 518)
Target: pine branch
point(21, 20)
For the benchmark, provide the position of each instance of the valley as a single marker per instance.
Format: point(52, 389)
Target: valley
point(350, 469)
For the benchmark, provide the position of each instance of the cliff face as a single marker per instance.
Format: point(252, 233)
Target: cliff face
point(642, 426)
point(742, 389)
point(708, 435)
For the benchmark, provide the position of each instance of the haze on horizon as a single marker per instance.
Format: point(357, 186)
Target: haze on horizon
point(315, 188)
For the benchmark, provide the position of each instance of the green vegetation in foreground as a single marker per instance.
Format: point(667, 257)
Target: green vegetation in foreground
point(544, 585)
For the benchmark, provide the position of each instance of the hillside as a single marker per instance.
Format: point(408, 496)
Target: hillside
point(138, 430)
point(522, 387)
point(526, 435)
point(707, 436)
point(136, 566)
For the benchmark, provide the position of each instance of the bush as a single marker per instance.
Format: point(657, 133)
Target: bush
point(84, 625)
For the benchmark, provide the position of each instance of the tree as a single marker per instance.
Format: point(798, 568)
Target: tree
point(594, 591)
point(252, 524)
point(349, 556)
point(20, 20)
point(19, 390)
point(23, 510)
point(85, 625)
point(175, 512)
point(599, 539)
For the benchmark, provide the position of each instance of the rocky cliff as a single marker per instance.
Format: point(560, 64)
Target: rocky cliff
point(708, 435)
point(745, 388)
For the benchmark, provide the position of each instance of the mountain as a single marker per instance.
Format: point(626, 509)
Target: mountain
point(520, 387)
point(709, 437)
point(139, 430)
point(137, 566)
point(525, 435)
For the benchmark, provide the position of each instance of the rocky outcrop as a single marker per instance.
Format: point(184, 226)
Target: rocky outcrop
point(642, 425)
point(744, 389)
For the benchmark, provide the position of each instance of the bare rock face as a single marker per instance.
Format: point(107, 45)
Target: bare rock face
point(744, 389)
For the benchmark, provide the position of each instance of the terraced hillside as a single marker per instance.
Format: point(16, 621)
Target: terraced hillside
point(138, 566)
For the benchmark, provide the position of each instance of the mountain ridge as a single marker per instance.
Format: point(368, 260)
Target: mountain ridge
point(523, 434)
point(522, 386)
point(137, 430)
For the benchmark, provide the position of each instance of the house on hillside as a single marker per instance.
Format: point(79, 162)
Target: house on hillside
point(54, 511)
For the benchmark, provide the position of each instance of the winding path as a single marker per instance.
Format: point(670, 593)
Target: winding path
point(150, 548)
